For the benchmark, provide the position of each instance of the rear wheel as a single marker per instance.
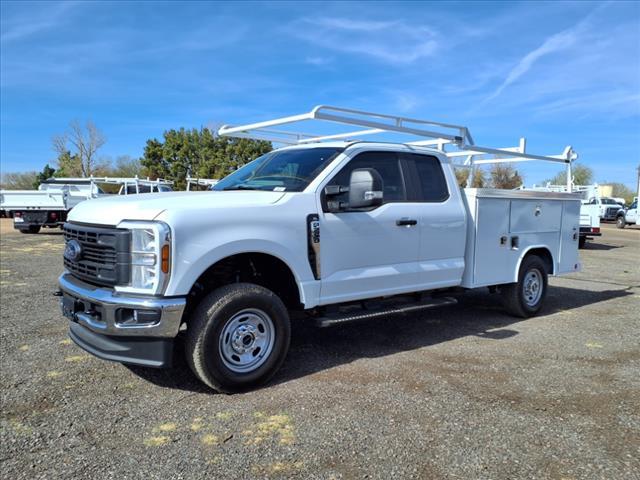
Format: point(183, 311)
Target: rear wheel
point(238, 337)
point(582, 241)
point(621, 222)
point(524, 298)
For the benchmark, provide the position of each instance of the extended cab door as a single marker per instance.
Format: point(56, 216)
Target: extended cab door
point(370, 253)
point(442, 220)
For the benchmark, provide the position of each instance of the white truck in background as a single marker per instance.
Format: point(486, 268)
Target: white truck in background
point(608, 208)
point(50, 204)
point(327, 229)
point(628, 216)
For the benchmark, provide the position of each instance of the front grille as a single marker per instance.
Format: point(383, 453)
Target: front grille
point(611, 211)
point(104, 257)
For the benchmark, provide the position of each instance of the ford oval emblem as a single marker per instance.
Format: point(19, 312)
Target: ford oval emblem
point(73, 250)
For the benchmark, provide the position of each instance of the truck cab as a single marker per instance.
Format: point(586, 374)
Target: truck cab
point(628, 216)
point(609, 208)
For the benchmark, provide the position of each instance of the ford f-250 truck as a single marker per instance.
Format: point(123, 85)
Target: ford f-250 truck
point(326, 231)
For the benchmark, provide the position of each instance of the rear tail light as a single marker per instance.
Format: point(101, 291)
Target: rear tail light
point(53, 216)
point(595, 230)
point(17, 214)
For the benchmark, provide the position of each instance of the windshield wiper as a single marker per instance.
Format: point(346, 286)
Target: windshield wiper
point(241, 187)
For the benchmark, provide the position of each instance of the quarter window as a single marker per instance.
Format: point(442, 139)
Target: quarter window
point(431, 184)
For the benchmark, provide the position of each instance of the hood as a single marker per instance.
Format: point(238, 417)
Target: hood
point(112, 209)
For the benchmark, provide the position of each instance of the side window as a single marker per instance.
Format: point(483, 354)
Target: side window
point(387, 164)
point(431, 185)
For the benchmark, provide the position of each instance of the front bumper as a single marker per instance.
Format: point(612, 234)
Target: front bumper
point(137, 330)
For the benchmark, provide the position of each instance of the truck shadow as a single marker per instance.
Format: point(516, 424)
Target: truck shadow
point(314, 349)
point(600, 246)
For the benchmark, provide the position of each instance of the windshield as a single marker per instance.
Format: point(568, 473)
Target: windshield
point(280, 170)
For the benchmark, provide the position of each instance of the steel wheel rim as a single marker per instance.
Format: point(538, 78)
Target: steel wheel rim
point(532, 287)
point(247, 340)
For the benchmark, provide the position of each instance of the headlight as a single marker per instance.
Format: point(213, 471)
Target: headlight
point(150, 257)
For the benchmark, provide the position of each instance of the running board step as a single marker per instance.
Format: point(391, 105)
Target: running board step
point(337, 319)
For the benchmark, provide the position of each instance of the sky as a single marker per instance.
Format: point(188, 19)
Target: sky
point(558, 73)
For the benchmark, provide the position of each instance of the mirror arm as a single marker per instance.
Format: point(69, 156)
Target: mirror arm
point(335, 190)
point(335, 206)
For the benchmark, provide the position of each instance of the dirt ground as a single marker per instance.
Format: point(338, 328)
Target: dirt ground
point(463, 392)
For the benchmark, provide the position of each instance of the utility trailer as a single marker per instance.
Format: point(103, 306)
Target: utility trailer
point(50, 204)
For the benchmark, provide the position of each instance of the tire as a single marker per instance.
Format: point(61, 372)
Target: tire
point(523, 299)
point(582, 241)
point(32, 229)
point(258, 321)
point(621, 222)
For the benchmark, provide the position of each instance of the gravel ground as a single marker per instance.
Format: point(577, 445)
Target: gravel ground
point(461, 392)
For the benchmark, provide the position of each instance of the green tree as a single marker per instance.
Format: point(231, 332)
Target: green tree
point(197, 153)
point(504, 176)
point(46, 173)
point(582, 175)
point(68, 165)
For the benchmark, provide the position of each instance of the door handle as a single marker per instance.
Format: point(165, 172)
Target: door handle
point(406, 222)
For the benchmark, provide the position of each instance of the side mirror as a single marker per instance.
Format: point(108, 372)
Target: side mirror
point(365, 188)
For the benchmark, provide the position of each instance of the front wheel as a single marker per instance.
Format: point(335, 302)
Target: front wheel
point(524, 299)
point(238, 337)
point(621, 222)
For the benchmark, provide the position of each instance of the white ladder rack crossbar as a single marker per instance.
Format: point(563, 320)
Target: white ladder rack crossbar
point(110, 180)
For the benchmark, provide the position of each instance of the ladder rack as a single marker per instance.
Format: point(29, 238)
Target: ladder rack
point(200, 182)
point(108, 180)
point(455, 141)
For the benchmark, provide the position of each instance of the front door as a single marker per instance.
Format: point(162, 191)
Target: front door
point(375, 252)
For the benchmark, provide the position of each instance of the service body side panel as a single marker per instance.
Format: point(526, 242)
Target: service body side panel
point(505, 225)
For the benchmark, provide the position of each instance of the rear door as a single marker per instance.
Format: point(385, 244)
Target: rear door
point(371, 253)
point(442, 222)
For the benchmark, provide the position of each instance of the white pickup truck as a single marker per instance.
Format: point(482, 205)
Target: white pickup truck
point(51, 203)
point(608, 207)
point(323, 231)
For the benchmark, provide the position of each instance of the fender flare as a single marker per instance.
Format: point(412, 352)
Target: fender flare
point(526, 252)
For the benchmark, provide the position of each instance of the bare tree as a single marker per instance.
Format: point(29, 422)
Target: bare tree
point(84, 142)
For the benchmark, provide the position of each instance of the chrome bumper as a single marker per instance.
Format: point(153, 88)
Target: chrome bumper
point(103, 311)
